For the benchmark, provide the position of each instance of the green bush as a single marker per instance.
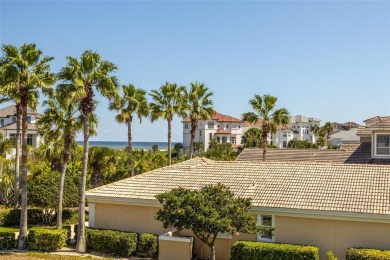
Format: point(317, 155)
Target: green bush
point(245, 250)
point(112, 242)
point(331, 256)
point(366, 254)
point(148, 243)
point(7, 240)
point(47, 239)
point(11, 217)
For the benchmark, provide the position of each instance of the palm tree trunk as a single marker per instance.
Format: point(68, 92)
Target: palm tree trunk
point(81, 241)
point(265, 144)
point(212, 256)
point(191, 148)
point(169, 142)
point(17, 156)
point(67, 144)
point(130, 146)
point(22, 239)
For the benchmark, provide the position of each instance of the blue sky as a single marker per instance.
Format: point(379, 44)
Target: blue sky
point(324, 59)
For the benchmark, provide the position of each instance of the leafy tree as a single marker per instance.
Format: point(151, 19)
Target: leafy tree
point(155, 148)
point(43, 191)
point(272, 118)
point(222, 152)
point(301, 144)
point(199, 107)
point(86, 75)
point(213, 143)
point(178, 148)
point(27, 71)
point(133, 102)
point(252, 138)
point(168, 101)
point(198, 147)
point(207, 212)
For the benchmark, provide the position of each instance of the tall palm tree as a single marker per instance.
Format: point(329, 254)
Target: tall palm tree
point(272, 118)
point(86, 75)
point(28, 71)
point(200, 107)
point(328, 127)
point(167, 102)
point(59, 124)
point(133, 102)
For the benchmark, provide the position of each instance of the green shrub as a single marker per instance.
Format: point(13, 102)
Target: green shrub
point(12, 217)
point(148, 243)
point(245, 250)
point(366, 254)
point(112, 242)
point(7, 240)
point(47, 239)
point(331, 256)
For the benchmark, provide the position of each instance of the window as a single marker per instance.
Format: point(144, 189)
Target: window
point(200, 132)
point(233, 140)
point(29, 119)
point(383, 144)
point(285, 134)
point(265, 221)
point(210, 125)
point(284, 144)
point(185, 126)
point(2, 122)
point(234, 126)
point(227, 126)
point(13, 119)
point(30, 139)
point(210, 136)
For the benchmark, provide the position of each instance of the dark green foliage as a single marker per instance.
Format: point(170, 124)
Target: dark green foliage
point(7, 240)
point(148, 243)
point(43, 189)
point(221, 152)
point(207, 212)
point(366, 254)
point(12, 217)
point(47, 239)
point(301, 144)
point(112, 242)
point(252, 138)
point(70, 216)
point(245, 250)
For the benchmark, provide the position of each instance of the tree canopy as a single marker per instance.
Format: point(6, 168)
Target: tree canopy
point(207, 212)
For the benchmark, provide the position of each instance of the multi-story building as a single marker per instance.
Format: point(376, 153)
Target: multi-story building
point(299, 128)
point(223, 128)
point(8, 125)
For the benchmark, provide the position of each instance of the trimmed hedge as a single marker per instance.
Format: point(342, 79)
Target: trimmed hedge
point(7, 240)
point(47, 239)
point(148, 243)
point(366, 254)
point(36, 217)
point(112, 242)
point(245, 250)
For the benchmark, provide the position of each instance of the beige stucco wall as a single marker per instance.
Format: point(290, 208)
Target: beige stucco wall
point(169, 250)
point(222, 245)
point(138, 219)
point(332, 235)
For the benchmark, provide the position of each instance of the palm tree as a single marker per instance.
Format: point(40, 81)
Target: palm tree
point(167, 102)
point(252, 138)
point(272, 118)
point(320, 132)
point(59, 124)
point(155, 148)
point(85, 75)
point(200, 107)
point(133, 102)
point(26, 71)
point(328, 127)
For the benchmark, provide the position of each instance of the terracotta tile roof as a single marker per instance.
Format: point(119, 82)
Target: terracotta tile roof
point(375, 119)
point(382, 125)
point(220, 118)
point(346, 188)
point(259, 123)
point(222, 132)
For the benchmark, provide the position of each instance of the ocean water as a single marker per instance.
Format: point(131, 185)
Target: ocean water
point(122, 145)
